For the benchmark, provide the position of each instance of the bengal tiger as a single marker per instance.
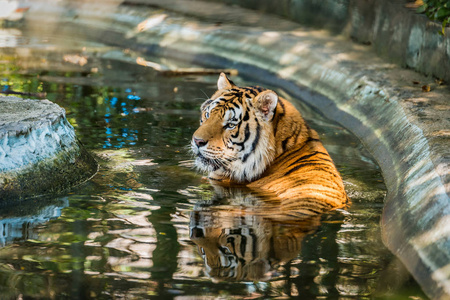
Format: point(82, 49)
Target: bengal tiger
point(248, 247)
point(253, 137)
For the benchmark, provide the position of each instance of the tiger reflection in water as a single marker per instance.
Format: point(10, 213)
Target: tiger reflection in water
point(240, 240)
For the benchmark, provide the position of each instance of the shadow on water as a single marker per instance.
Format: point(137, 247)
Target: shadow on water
point(147, 225)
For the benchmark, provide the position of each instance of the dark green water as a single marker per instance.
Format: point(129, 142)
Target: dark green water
point(126, 234)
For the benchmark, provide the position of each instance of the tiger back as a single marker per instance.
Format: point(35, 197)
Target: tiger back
point(250, 136)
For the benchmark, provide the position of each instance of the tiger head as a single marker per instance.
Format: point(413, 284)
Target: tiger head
point(236, 139)
point(233, 254)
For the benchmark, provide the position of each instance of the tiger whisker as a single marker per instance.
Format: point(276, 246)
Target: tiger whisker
point(207, 97)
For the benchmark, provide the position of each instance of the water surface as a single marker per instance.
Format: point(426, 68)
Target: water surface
point(134, 230)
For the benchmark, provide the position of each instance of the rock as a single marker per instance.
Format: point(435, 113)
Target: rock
point(39, 152)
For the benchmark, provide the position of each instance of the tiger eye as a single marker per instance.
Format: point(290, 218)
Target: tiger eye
point(230, 126)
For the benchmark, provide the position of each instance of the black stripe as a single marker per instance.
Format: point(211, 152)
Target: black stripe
point(292, 153)
point(246, 116)
point(234, 96)
point(308, 156)
point(255, 244)
point(231, 109)
point(279, 117)
point(247, 132)
point(243, 245)
point(237, 131)
point(299, 166)
point(236, 105)
point(284, 143)
point(326, 170)
point(246, 136)
point(231, 98)
point(252, 91)
point(255, 141)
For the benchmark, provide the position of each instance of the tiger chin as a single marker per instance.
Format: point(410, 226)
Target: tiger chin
point(250, 136)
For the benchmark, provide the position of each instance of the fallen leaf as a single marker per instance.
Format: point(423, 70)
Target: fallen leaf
point(426, 88)
point(75, 59)
point(440, 82)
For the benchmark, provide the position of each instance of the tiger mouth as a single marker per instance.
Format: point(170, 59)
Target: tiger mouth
point(208, 162)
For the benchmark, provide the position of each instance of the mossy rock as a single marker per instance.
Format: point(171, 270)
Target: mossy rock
point(39, 152)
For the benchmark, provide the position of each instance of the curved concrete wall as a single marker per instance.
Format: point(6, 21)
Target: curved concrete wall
point(395, 31)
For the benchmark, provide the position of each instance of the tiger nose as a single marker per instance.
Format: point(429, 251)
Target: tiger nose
point(200, 142)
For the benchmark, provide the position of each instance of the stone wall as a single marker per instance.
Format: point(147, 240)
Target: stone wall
point(396, 32)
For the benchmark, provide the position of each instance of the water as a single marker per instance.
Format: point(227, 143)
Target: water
point(126, 234)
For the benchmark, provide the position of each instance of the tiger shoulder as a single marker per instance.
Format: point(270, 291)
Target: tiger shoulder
point(251, 136)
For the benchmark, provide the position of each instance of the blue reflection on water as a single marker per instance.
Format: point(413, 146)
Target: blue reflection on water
point(120, 188)
point(5, 87)
point(113, 101)
point(133, 97)
point(118, 133)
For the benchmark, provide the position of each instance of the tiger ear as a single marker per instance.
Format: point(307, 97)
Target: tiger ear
point(265, 103)
point(224, 83)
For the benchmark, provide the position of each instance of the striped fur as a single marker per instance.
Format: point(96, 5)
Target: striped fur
point(251, 136)
point(249, 247)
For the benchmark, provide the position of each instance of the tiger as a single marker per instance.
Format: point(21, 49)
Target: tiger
point(250, 136)
point(245, 248)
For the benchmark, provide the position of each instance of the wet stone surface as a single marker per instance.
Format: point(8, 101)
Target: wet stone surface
point(39, 152)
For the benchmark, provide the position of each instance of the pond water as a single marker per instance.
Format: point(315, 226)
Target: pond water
point(128, 232)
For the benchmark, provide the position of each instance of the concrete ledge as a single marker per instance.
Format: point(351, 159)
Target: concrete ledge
point(396, 32)
point(39, 152)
